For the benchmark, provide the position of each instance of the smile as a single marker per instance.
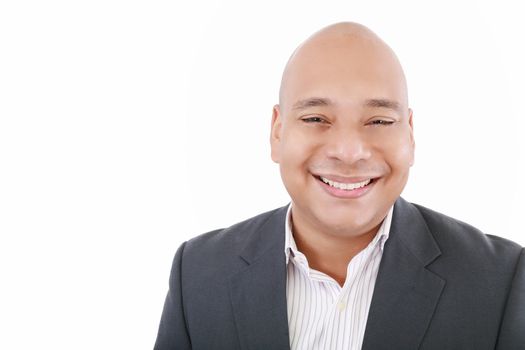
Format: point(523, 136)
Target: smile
point(345, 186)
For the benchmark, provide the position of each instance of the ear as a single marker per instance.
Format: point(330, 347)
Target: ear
point(412, 140)
point(275, 134)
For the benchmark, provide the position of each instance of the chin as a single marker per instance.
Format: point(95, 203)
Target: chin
point(348, 222)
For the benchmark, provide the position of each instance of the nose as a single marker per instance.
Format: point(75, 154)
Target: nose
point(348, 146)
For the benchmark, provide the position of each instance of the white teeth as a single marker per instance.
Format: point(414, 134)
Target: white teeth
point(346, 186)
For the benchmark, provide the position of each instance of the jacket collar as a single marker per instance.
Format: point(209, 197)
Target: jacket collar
point(258, 292)
point(405, 295)
point(406, 291)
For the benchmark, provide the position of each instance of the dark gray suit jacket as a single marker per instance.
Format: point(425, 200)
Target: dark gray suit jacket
point(442, 284)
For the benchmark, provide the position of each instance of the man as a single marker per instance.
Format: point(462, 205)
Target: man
point(348, 264)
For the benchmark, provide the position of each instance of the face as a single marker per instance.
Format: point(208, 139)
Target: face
point(342, 136)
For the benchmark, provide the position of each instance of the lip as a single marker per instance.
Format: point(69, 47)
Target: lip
point(345, 179)
point(346, 194)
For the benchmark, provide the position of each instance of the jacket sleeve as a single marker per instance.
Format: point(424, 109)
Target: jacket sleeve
point(173, 333)
point(512, 331)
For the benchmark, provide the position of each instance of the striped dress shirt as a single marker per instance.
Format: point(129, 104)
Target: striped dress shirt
point(322, 314)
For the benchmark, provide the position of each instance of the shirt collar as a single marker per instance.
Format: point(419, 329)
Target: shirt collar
point(290, 248)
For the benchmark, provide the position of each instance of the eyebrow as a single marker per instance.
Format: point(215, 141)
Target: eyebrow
point(322, 102)
point(312, 102)
point(383, 103)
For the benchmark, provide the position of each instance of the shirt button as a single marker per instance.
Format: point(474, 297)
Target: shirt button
point(341, 306)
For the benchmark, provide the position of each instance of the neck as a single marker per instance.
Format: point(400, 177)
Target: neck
point(327, 252)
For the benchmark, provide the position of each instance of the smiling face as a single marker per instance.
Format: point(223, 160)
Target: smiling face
point(342, 133)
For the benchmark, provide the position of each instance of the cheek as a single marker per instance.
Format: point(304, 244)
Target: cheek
point(400, 158)
point(398, 149)
point(296, 149)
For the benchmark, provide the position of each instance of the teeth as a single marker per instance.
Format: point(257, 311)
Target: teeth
point(346, 186)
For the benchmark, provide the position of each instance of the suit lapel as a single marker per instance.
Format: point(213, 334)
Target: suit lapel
point(258, 293)
point(406, 292)
point(405, 296)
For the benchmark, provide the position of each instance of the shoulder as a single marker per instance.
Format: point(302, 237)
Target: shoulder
point(447, 228)
point(465, 245)
point(234, 237)
point(219, 251)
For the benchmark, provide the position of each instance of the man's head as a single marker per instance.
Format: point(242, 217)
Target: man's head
point(343, 122)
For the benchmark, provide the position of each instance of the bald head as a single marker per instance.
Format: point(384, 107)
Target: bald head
point(342, 55)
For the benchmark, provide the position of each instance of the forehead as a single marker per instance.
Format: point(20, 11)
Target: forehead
point(344, 73)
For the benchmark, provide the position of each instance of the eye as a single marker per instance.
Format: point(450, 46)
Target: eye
point(314, 119)
point(381, 122)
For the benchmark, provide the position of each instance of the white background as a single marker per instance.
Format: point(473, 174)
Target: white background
point(127, 127)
